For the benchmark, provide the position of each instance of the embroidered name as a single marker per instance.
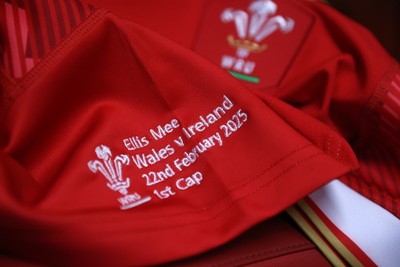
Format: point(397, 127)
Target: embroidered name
point(169, 168)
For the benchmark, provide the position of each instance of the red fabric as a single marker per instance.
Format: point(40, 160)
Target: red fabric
point(94, 107)
point(378, 153)
point(304, 258)
point(339, 73)
point(97, 91)
point(347, 242)
point(274, 242)
point(335, 71)
point(34, 28)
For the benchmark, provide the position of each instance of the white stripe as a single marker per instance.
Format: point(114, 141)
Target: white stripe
point(375, 230)
point(396, 86)
point(391, 111)
point(394, 98)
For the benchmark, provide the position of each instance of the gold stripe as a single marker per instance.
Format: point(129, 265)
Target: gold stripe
point(335, 242)
point(324, 248)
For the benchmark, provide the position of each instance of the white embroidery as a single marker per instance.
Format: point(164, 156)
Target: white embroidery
point(185, 183)
point(252, 27)
point(164, 155)
point(112, 171)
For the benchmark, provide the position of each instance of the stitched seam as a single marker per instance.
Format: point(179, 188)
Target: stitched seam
point(238, 186)
point(249, 180)
point(53, 57)
point(233, 202)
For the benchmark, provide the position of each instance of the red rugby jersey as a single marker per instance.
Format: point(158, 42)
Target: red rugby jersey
point(311, 56)
point(120, 147)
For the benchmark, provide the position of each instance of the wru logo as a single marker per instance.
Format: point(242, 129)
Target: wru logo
point(255, 27)
point(112, 171)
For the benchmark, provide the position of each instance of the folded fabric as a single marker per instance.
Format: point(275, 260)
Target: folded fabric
point(122, 148)
point(306, 54)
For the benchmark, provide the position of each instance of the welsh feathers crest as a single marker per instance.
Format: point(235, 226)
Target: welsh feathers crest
point(111, 168)
point(254, 26)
